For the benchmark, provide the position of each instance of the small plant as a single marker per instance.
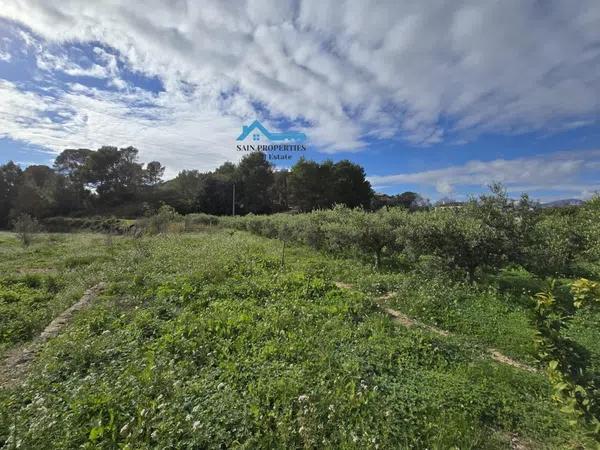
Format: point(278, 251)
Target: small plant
point(573, 390)
point(25, 227)
point(109, 240)
point(161, 222)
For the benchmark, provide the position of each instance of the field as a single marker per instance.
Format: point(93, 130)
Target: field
point(224, 339)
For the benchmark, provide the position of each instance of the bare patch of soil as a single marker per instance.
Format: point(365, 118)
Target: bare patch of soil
point(501, 358)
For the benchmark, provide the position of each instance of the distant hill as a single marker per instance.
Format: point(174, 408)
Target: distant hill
point(563, 202)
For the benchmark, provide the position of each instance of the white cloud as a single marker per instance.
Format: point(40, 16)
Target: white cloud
point(424, 72)
point(559, 171)
point(4, 53)
point(49, 62)
point(84, 117)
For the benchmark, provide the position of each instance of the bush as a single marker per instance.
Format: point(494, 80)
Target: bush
point(194, 222)
point(25, 227)
point(487, 233)
point(161, 222)
point(460, 240)
point(556, 243)
point(110, 225)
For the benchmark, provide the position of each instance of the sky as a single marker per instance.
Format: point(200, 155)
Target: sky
point(438, 97)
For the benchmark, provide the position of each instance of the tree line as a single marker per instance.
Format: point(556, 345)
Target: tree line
point(486, 234)
point(112, 181)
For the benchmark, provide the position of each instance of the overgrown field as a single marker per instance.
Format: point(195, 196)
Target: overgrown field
point(223, 339)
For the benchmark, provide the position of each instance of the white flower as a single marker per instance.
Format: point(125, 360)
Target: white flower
point(195, 425)
point(303, 398)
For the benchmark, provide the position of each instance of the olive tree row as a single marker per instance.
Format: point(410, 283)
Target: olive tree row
point(487, 233)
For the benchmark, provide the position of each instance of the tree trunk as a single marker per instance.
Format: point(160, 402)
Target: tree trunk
point(377, 259)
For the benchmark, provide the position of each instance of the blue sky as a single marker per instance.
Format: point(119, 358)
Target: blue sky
point(441, 99)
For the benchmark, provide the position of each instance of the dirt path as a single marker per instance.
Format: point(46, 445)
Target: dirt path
point(409, 322)
point(15, 364)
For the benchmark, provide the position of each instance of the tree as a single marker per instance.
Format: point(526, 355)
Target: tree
point(319, 186)
point(216, 195)
point(10, 177)
point(255, 183)
point(114, 174)
point(350, 186)
point(37, 192)
point(112, 179)
point(307, 186)
point(71, 162)
point(407, 200)
point(512, 221)
point(280, 190)
point(370, 233)
point(71, 192)
point(153, 173)
point(184, 191)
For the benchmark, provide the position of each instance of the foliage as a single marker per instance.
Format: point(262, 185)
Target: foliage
point(38, 282)
point(459, 239)
point(166, 219)
point(10, 176)
point(196, 222)
point(407, 200)
point(556, 242)
point(488, 233)
point(25, 227)
point(217, 338)
point(230, 349)
point(24, 304)
point(317, 186)
point(111, 181)
point(573, 388)
point(110, 225)
point(254, 180)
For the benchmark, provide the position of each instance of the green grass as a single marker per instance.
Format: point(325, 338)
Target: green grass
point(205, 341)
point(40, 281)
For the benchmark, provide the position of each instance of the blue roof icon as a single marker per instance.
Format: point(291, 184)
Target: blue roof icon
point(256, 125)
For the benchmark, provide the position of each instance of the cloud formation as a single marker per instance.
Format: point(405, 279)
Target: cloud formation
point(347, 72)
point(559, 171)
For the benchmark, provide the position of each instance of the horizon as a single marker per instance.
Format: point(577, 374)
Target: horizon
point(440, 101)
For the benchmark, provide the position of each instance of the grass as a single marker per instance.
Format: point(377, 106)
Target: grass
point(206, 341)
point(40, 281)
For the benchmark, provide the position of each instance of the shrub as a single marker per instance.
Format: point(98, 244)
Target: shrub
point(462, 241)
point(487, 233)
point(25, 227)
point(96, 224)
point(194, 222)
point(371, 234)
point(160, 222)
point(556, 242)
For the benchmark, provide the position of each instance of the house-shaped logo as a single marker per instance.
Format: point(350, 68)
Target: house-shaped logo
point(256, 129)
